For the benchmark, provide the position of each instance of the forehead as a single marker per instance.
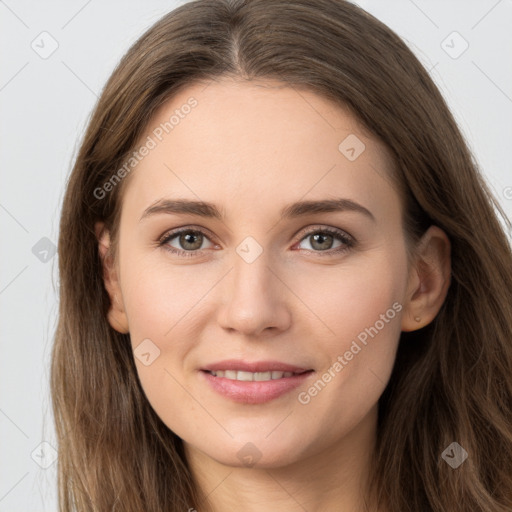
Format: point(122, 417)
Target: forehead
point(255, 144)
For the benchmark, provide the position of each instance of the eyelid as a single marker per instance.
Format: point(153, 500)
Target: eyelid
point(181, 229)
point(304, 231)
point(313, 228)
point(345, 237)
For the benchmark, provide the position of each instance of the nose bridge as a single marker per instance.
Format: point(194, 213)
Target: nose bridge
point(254, 298)
point(252, 277)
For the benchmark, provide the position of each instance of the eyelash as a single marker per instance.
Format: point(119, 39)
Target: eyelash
point(348, 241)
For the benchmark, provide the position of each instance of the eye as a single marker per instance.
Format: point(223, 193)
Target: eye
point(322, 240)
point(189, 241)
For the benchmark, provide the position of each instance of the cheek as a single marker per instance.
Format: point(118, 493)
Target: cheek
point(159, 304)
point(162, 305)
point(363, 309)
point(349, 298)
point(159, 298)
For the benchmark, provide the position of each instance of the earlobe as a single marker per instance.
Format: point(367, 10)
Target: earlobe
point(429, 280)
point(116, 315)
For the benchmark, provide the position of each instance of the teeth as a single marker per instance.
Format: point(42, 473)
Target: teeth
point(250, 376)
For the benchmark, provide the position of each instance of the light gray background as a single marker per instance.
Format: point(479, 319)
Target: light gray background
point(45, 105)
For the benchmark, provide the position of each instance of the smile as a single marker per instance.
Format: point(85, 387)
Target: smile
point(252, 376)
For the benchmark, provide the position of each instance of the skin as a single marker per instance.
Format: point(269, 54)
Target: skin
point(252, 148)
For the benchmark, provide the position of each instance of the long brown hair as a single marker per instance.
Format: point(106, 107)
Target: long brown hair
point(452, 380)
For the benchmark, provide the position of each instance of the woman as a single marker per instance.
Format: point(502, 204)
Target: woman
point(283, 281)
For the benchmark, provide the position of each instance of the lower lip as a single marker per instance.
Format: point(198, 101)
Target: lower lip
point(254, 392)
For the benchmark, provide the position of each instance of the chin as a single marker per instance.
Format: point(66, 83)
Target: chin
point(256, 454)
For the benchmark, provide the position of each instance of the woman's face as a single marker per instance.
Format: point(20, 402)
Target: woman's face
point(319, 289)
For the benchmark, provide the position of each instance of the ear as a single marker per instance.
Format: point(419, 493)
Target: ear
point(429, 280)
point(116, 315)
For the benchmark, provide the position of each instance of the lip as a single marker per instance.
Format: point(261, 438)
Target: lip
point(254, 392)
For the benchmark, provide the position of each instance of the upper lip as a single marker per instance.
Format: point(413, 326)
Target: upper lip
point(255, 366)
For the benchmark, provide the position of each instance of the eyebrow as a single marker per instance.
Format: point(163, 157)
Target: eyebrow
point(298, 209)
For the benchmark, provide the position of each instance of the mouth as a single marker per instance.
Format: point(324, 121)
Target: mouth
point(254, 383)
point(244, 376)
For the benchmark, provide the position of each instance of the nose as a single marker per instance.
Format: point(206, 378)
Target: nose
point(256, 299)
